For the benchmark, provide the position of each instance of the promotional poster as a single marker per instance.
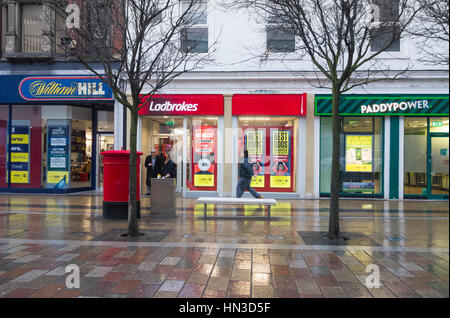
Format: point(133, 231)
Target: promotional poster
point(280, 158)
point(255, 143)
point(20, 153)
point(358, 153)
point(204, 151)
point(58, 154)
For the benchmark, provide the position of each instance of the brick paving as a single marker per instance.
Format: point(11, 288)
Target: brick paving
point(235, 258)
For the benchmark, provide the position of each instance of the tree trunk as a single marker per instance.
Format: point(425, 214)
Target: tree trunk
point(133, 229)
point(333, 226)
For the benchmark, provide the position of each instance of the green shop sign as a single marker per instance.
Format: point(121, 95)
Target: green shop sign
point(384, 105)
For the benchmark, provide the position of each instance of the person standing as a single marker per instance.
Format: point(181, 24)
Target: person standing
point(245, 178)
point(153, 164)
point(170, 168)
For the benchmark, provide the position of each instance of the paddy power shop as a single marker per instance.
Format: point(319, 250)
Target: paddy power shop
point(49, 126)
point(268, 127)
point(392, 146)
point(189, 129)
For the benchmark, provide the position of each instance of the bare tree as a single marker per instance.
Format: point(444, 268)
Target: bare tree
point(138, 42)
point(431, 31)
point(342, 39)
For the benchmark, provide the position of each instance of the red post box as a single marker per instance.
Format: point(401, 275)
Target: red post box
point(116, 171)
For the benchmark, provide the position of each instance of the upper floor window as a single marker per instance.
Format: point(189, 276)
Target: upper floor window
point(279, 39)
point(385, 27)
point(194, 38)
point(32, 28)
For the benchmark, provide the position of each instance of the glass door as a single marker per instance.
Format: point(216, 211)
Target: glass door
point(438, 166)
point(105, 142)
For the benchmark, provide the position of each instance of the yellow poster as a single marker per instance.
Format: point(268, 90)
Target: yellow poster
point(19, 157)
point(19, 139)
point(19, 176)
point(280, 143)
point(254, 142)
point(280, 182)
point(56, 176)
point(204, 180)
point(358, 153)
point(257, 181)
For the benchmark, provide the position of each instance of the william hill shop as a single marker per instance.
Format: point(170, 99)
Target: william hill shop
point(49, 128)
point(392, 146)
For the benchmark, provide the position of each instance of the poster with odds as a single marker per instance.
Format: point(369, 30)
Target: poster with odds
point(358, 153)
point(256, 147)
point(204, 151)
point(20, 154)
point(280, 158)
point(58, 155)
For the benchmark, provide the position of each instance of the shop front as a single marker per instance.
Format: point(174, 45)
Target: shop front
point(269, 127)
point(189, 128)
point(392, 146)
point(48, 132)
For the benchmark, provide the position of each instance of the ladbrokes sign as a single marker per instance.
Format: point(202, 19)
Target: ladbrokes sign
point(64, 88)
point(182, 105)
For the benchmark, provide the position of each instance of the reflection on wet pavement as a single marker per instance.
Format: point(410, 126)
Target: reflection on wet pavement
point(237, 255)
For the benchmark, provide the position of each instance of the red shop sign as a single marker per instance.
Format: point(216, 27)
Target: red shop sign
point(182, 105)
point(269, 104)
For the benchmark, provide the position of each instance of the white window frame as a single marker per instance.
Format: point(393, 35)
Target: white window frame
point(198, 26)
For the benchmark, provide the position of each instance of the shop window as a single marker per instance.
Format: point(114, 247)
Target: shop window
point(361, 164)
point(105, 121)
point(439, 124)
point(415, 164)
point(201, 166)
point(385, 26)
point(271, 143)
point(26, 155)
point(194, 39)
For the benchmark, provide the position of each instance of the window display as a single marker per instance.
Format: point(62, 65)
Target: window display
point(202, 154)
point(270, 144)
point(361, 155)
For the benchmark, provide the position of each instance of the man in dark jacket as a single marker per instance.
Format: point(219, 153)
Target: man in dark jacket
point(245, 178)
point(153, 164)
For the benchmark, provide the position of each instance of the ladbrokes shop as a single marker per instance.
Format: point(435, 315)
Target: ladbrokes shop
point(205, 135)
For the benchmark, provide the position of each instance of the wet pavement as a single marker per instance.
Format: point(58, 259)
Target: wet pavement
point(234, 253)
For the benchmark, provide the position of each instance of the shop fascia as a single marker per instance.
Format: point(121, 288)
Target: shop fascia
point(168, 107)
point(179, 105)
point(387, 105)
point(394, 107)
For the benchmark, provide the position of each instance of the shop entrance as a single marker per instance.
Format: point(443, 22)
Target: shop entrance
point(105, 142)
point(165, 135)
point(438, 164)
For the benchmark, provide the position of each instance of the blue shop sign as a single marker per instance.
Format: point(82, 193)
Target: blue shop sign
point(19, 89)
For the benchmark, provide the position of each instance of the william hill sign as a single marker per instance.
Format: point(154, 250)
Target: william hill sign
point(384, 105)
point(58, 88)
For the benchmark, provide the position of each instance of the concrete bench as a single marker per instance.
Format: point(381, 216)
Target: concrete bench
point(236, 201)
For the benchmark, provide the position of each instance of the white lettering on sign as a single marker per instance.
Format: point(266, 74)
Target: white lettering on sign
point(168, 107)
point(393, 107)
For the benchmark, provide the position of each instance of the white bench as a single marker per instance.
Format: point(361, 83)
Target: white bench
point(236, 201)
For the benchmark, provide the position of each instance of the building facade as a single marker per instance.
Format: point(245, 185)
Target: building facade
point(254, 93)
point(394, 142)
point(56, 117)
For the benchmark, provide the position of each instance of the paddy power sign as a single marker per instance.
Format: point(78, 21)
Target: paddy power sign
point(385, 105)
